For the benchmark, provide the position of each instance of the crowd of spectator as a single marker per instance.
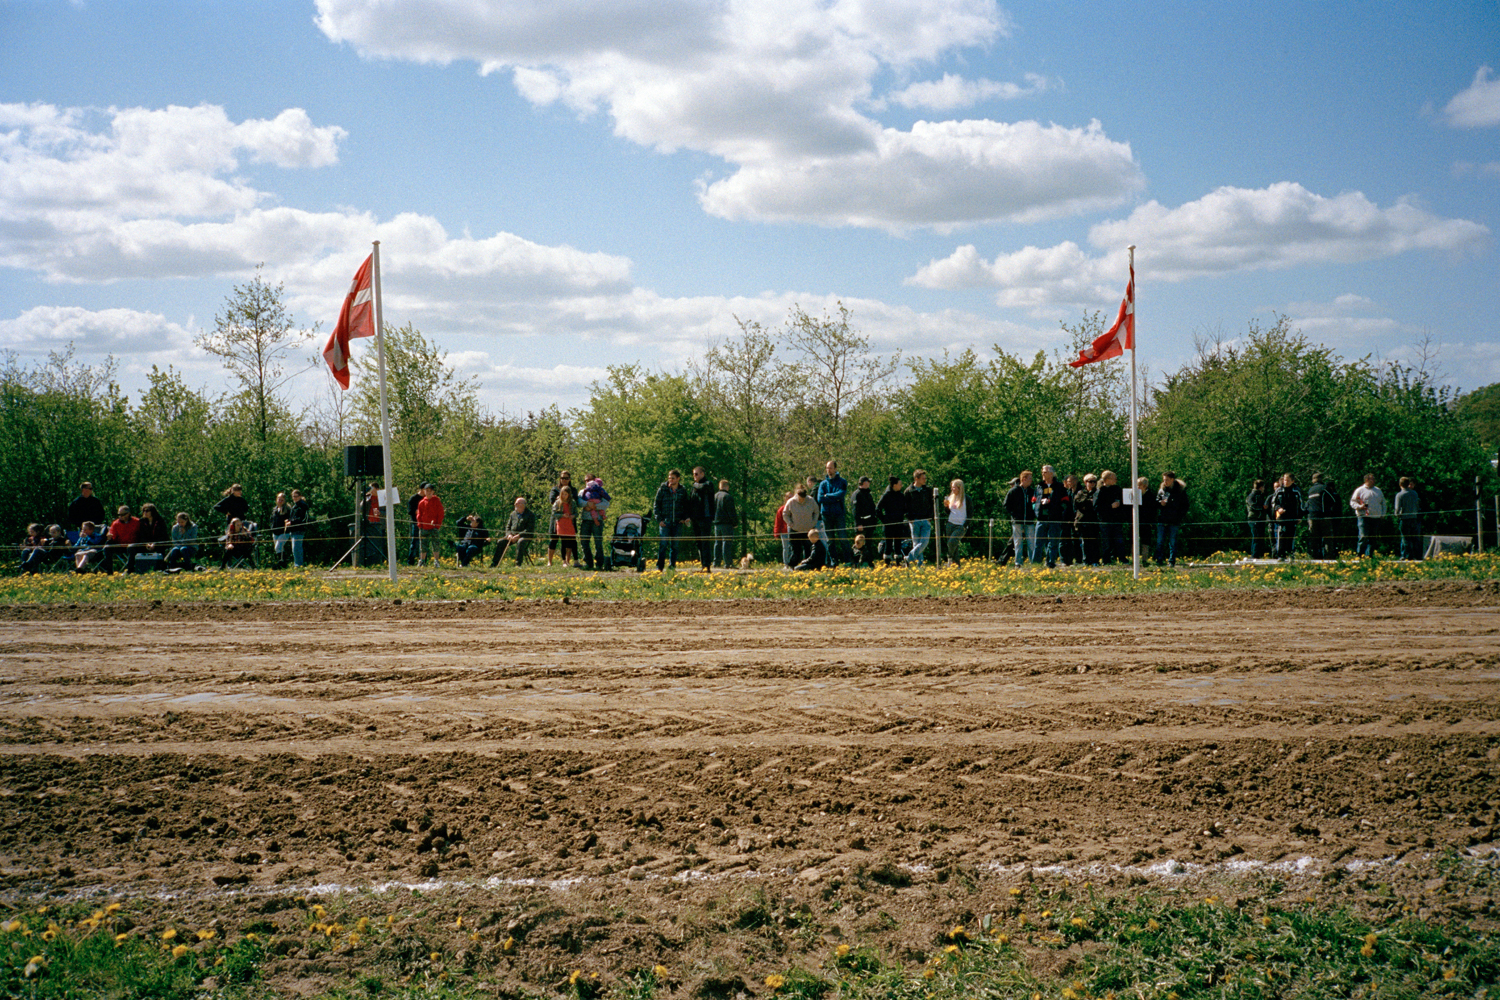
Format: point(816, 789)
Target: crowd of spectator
point(821, 521)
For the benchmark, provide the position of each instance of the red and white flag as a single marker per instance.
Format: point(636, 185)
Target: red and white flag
point(1117, 339)
point(356, 319)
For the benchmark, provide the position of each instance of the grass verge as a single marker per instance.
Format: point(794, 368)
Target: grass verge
point(972, 578)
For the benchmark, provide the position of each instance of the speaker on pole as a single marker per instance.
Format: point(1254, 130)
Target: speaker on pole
point(364, 460)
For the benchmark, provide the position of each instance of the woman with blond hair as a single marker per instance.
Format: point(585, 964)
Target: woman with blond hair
point(958, 518)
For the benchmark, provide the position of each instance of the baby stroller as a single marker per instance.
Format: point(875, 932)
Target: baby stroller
point(625, 547)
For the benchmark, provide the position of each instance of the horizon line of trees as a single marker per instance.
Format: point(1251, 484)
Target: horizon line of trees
point(763, 408)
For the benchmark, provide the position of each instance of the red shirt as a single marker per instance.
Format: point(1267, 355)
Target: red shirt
point(430, 513)
point(126, 532)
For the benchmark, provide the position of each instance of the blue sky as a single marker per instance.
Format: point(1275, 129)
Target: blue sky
point(559, 186)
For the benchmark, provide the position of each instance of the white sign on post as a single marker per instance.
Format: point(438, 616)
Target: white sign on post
point(1130, 497)
point(395, 492)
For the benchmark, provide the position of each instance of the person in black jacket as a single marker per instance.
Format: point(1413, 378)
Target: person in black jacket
point(672, 509)
point(919, 515)
point(866, 515)
point(1255, 516)
point(891, 508)
point(726, 520)
point(1020, 504)
point(1322, 506)
point(85, 507)
point(703, 490)
point(1285, 507)
point(296, 526)
point(1171, 510)
point(472, 538)
point(1113, 516)
point(1054, 508)
point(815, 557)
point(1086, 519)
point(232, 504)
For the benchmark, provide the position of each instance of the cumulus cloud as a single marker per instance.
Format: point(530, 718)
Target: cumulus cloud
point(1476, 107)
point(775, 88)
point(1229, 230)
point(102, 331)
point(958, 92)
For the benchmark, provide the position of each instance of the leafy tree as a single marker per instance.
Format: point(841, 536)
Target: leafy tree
point(839, 372)
point(254, 335)
point(1481, 408)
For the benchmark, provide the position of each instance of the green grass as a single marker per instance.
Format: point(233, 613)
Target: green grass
point(1144, 947)
point(974, 577)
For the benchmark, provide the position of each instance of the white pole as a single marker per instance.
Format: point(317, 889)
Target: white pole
point(1135, 471)
point(385, 420)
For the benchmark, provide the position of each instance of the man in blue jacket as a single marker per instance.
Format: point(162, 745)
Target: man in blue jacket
point(831, 493)
point(672, 509)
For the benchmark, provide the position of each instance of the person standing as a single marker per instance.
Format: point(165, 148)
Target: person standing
point(85, 507)
point(957, 505)
point(1322, 506)
point(1369, 514)
point(594, 504)
point(564, 482)
point(702, 508)
point(801, 525)
point(672, 509)
point(1171, 511)
point(1113, 515)
point(414, 550)
point(866, 514)
point(832, 491)
point(919, 516)
point(780, 531)
point(519, 529)
point(1054, 508)
point(565, 527)
point(1067, 532)
point(1148, 514)
point(891, 508)
point(1408, 511)
point(1020, 504)
point(1286, 512)
point(296, 526)
point(1086, 519)
point(281, 512)
point(726, 520)
point(1256, 516)
point(232, 504)
point(430, 514)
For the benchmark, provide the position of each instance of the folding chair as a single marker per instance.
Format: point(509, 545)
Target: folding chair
point(245, 559)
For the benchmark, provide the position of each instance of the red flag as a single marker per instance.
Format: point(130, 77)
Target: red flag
point(1111, 344)
point(356, 319)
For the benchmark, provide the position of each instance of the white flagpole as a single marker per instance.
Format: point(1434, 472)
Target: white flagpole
point(1135, 472)
point(385, 418)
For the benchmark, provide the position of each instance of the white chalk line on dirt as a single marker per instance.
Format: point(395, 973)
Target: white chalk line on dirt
point(1168, 871)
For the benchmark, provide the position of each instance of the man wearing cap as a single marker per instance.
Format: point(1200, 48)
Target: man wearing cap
point(85, 507)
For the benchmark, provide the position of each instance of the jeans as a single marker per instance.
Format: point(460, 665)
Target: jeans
point(921, 533)
point(786, 550)
point(1166, 543)
point(1411, 537)
point(666, 546)
point(723, 553)
point(1257, 537)
point(1369, 533)
point(951, 537)
point(182, 555)
point(467, 552)
point(1023, 537)
point(1048, 542)
point(591, 542)
point(1286, 535)
point(1112, 545)
point(414, 550)
point(833, 535)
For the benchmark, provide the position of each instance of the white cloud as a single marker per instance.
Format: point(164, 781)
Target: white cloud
point(97, 332)
point(958, 92)
point(1478, 106)
point(1229, 230)
point(1464, 168)
point(1022, 172)
point(774, 88)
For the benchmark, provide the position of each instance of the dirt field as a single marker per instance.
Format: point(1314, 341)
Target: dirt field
point(723, 788)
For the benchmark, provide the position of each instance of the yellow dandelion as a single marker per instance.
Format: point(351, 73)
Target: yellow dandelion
point(14, 925)
point(577, 975)
point(1077, 922)
point(179, 951)
point(1152, 925)
point(1448, 974)
point(1265, 921)
point(121, 938)
point(252, 936)
point(1002, 938)
point(659, 971)
point(362, 924)
point(841, 950)
point(957, 932)
point(1046, 914)
point(207, 934)
point(218, 961)
point(458, 922)
point(169, 934)
point(929, 973)
point(434, 956)
point(775, 982)
point(1015, 891)
point(508, 945)
point(113, 908)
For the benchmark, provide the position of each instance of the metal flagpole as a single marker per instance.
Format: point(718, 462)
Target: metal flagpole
point(1135, 471)
point(385, 418)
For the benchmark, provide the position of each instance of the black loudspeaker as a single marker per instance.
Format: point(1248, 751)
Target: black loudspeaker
point(363, 460)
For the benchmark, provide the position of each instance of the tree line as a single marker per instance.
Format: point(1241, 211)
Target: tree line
point(763, 408)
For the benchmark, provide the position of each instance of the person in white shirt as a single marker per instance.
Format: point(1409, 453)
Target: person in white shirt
point(1369, 514)
point(958, 518)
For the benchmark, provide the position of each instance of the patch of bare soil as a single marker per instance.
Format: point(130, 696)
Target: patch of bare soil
point(727, 788)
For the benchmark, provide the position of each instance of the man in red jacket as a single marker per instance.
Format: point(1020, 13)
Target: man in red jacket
point(123, 533)
point(429, 521)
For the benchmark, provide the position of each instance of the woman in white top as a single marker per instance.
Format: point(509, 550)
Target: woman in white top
point(958, 518)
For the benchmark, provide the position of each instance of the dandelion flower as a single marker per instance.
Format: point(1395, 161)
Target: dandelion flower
point(660, 971)
point(775, 982)
point(458, 922)
point(1152, 925)
point(434, 956)
point(121, 938)
point(509, 944)
point(841, 950)
point(179, 951)
point(1077, 922)
point(577, 975)
point(14, 925)
point(207, 934)
point(169, 934)
point(113, 907)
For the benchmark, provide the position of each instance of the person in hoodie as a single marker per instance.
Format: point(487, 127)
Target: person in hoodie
point(831, 494)
point(593, 505)
point(891, 509)
point(1020, 504)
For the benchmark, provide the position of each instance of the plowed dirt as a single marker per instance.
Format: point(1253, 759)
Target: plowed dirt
point(622, 784)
